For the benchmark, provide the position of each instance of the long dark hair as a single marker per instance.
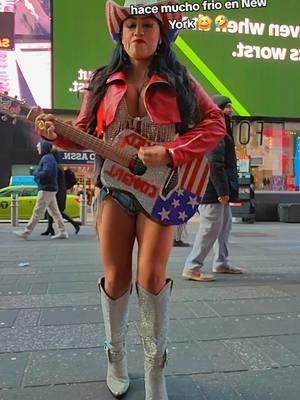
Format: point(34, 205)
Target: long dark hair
point(165, 64)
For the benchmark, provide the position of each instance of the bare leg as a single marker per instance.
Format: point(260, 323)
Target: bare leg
point(154, 293)
point(155, 244)
point(116, 231)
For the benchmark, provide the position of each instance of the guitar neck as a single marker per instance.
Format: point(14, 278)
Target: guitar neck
point(105, 150)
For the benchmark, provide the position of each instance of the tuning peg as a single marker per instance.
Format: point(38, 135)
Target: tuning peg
point(4, 118)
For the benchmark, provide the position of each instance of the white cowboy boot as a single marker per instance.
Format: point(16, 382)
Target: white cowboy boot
point(154, 329)
point(115, 316)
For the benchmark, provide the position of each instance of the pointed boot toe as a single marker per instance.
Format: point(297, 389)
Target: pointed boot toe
point(117, 385)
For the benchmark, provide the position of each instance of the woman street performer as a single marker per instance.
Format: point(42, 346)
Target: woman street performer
point(143, 88)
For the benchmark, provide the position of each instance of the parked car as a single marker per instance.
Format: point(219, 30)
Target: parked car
point(27, 198)
point(21, 180)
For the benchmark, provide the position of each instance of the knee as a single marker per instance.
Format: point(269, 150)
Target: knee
point(116, 284)
point(152, 282)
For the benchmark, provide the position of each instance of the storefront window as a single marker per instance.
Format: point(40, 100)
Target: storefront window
point(274, 150)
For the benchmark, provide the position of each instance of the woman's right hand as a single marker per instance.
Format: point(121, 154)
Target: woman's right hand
point(45, 127)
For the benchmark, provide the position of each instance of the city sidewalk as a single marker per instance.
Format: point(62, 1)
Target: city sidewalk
point(234, 339)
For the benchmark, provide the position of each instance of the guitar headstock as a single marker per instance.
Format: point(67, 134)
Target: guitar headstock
point(12, 108)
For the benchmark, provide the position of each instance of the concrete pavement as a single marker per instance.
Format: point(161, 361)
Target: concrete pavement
point(234, 339)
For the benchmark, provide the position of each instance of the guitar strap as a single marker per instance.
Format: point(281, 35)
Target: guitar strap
point(100, 124)
point(99, 160)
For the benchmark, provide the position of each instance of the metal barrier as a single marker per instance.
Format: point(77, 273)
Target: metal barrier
point(14, 210)
point(83, 209)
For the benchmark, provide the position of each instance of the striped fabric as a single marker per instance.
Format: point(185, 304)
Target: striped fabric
point(194, 176)
point(116, 15)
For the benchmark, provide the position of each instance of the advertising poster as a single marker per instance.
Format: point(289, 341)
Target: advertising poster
point(25, 50)
point(247, 50)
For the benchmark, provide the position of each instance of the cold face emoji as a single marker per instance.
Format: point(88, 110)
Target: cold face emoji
point(204, 23)
point(221, 22)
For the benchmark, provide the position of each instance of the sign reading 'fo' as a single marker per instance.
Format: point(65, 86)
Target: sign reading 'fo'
point(7, 31)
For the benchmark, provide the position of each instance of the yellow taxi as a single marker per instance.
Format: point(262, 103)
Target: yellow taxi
point(27, 198)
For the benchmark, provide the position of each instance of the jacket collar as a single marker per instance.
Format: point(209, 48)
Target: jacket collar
point(120, 76)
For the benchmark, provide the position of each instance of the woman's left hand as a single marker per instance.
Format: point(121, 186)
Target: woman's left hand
point(154, 156)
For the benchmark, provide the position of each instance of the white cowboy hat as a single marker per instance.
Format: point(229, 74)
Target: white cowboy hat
point(116, 15)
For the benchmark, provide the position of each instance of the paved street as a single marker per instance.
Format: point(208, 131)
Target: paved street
point(234, 339)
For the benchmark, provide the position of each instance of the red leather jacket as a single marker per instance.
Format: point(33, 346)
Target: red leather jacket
point(161, 104)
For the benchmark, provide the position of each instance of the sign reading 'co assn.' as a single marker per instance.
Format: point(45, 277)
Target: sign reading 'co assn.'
point(79, 157)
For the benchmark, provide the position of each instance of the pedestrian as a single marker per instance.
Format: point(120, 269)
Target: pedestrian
point(180, 232)
point(144, 88)
point(215, 212)
point(61, 197)
point(46, 178)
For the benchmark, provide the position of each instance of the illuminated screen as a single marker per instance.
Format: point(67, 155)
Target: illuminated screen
point(254, 61)
point(25, 66)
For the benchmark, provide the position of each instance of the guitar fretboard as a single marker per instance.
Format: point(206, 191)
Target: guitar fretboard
point(105, 150)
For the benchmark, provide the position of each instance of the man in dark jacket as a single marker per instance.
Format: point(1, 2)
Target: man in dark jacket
point(46, 178)
point(215, 213)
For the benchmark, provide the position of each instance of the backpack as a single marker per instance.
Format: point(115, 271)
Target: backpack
point(70, 179)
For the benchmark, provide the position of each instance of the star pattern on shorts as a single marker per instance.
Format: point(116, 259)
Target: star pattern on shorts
point(164, 214)
point(180, 192)
point(193, 202)
point(182, 216)
point(177, 208)
point(176, 203)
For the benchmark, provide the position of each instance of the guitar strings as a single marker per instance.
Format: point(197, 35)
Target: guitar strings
point(89, 141)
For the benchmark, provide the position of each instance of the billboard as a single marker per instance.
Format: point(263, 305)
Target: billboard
point(25, 50)
point(254, 59)
point(7, 30)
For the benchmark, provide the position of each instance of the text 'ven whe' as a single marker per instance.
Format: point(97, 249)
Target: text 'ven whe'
point(246, 27)
point(284, 30)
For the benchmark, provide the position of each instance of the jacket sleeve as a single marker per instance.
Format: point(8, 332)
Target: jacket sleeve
point(201, 138)
point(80, 123)
point(36, 172)
point(44, 170)
point(218, 174)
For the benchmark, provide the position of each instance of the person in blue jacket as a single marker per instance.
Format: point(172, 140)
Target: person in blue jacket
point(61, 197)
point(46, 179)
